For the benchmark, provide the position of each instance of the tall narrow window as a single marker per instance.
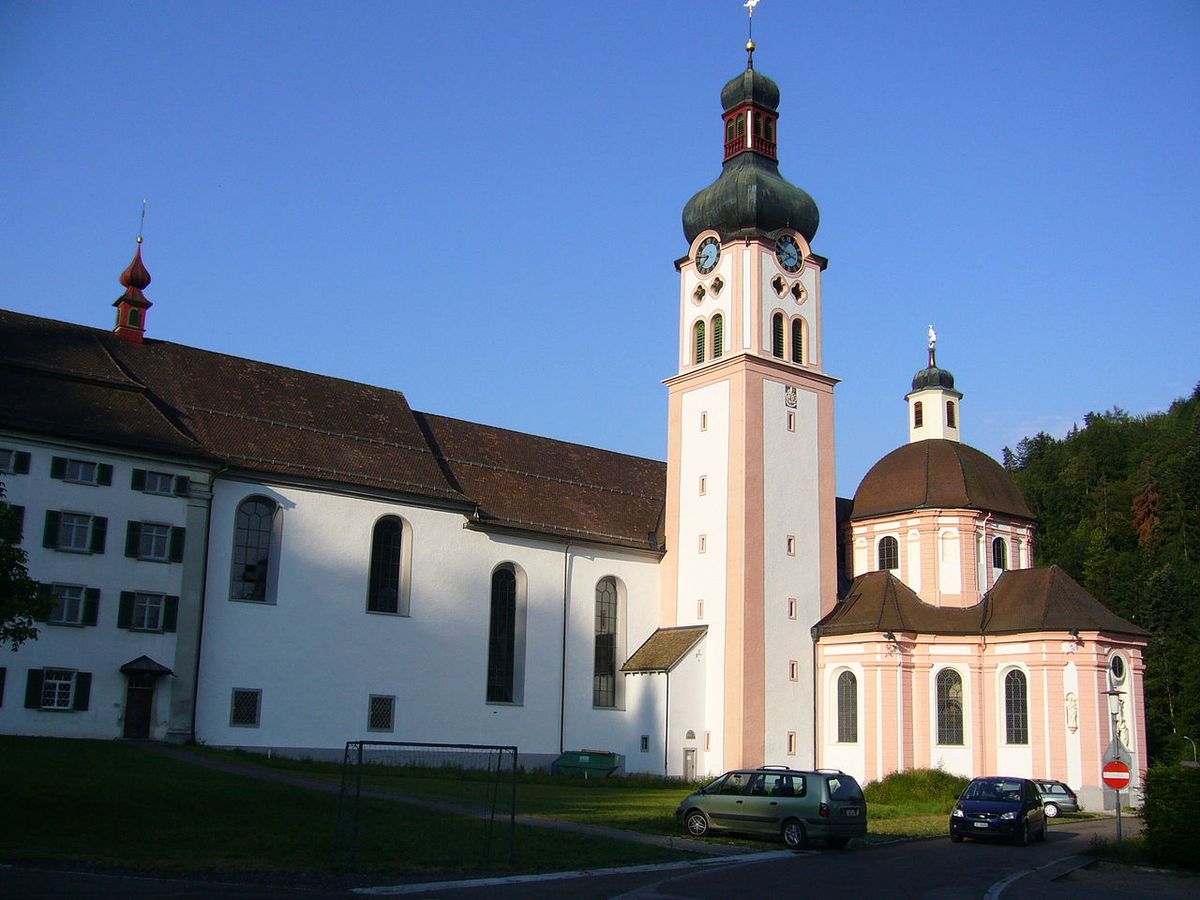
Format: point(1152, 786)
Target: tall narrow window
point(383, 590)
point(718, 336)
point(253, 534)
point(1016, 708)
point(918, 415)
point(741, 125)
point(502, 634)
point(604, 673)
point(777, 335)
point(847, 708)
point(949, 707)
point(950, 414)
point(889, 553)
point(698, 341)
point(797, 340)
point(999, 555)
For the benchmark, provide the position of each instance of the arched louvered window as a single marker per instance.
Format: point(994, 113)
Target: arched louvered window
point(889, 554)
point(777, 335)
point(1016, 708)
point(918, 415)
point(949, 707)
point(698, 341)
point(718, 336)
point(797, 340)
point(604, 672)
point(741, 125)
point(253, 540)
point(950, 414)
point(383, 590)
point(847, 708)
point(770, 126)
point(999, 555)
point(729, 131)
point(502, 633)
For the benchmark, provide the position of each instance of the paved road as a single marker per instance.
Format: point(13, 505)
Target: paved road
point(928, 869)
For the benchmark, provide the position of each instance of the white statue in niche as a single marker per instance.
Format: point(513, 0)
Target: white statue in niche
point(1072, 713)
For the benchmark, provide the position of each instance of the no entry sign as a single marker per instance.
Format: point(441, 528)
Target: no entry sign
point(1115, 775)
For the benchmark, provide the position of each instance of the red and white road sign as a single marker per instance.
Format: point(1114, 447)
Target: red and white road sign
point(1115, 775)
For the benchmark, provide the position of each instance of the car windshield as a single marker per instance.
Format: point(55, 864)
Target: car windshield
point(1004, 791)
point(843, 787)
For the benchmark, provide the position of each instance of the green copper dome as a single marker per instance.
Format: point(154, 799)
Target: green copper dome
point(933, 377)
point(750, 197)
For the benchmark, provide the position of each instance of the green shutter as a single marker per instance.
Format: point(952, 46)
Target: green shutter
point(138, 481)
point(58, 469)
point(91, 605)
point(13, 535)
point(125, 610)
point(21, 463)
point(44, 588)
point(33, 689)
point(50, 535)
point(83, 690)
point(170, 613)
point(777, 336)
point(183, 486)
point(99, 528)
point(133, 537)
point(104, 474)
point(176, 551)
point(3, 673)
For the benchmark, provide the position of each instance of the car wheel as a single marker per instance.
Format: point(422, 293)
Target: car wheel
point(1052, 810)
point(697, 823)
point(838, 843)
point(794, 835)
point(956, 838)
point(1023, 834)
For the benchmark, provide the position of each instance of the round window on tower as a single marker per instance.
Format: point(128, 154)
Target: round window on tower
point(1116, 669)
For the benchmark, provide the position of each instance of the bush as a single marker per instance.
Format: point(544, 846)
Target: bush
point(1172, 796)
point(916, 786)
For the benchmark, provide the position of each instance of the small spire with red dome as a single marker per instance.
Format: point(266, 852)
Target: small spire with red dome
point(132, 305)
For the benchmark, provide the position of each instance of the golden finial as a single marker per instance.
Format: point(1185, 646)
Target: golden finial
point(142, 224)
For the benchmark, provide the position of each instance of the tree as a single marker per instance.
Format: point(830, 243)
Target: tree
point(22, 600)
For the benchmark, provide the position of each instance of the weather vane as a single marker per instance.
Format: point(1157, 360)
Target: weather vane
point(142, 224)
point(750, 7)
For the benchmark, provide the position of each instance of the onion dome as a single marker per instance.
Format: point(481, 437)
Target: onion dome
point(933, 377)
point(938, 474)
point(135, 279)
point(750, 197)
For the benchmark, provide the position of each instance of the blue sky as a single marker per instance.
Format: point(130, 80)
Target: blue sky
point(479, 203)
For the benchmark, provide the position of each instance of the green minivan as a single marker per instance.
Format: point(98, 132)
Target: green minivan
point(791, 804)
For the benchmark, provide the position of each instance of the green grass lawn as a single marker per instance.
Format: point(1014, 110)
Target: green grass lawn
point(121, 805)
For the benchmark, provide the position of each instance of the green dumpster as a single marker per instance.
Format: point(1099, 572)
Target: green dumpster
point(588, 763)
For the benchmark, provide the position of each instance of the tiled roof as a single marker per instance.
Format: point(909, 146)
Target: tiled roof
point(938, 474)
point(84, 383)
point(663, 650)
point(1041, 599)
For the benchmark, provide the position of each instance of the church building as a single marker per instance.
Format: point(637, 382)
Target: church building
point(248, 555)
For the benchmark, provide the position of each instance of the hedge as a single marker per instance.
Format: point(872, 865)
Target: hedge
point(1172, 797)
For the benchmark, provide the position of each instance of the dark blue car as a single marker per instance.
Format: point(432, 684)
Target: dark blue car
point(995, 807)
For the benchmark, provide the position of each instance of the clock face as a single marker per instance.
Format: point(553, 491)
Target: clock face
point(707, 255)
point(789, 254)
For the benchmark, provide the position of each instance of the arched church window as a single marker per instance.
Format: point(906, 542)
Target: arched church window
point(950, 414)
point(698, 341)
point(502, 634)
point(889, 554)
point(383, 588)
point(777, 335)
point(949, 707)
point(797, 340)
point(847, 708)
point(918, 415)
point(604, 673)
point(999, 555)
point(1016, 708)
point(134, 319)
point(254, 540)
point(718, 336)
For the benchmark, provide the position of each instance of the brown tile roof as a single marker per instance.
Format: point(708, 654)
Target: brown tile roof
point(70, 380)
point(537, 484)
point(938, 474)
point(1041, 599)
point(663, 650)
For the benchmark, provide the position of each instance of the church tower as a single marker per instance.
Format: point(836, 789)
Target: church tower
point(750, 517)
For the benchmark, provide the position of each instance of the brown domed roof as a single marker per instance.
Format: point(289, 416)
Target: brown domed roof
point(938, 474)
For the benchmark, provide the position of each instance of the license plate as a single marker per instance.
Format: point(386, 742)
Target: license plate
point(981, 824)
point(850, 812)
